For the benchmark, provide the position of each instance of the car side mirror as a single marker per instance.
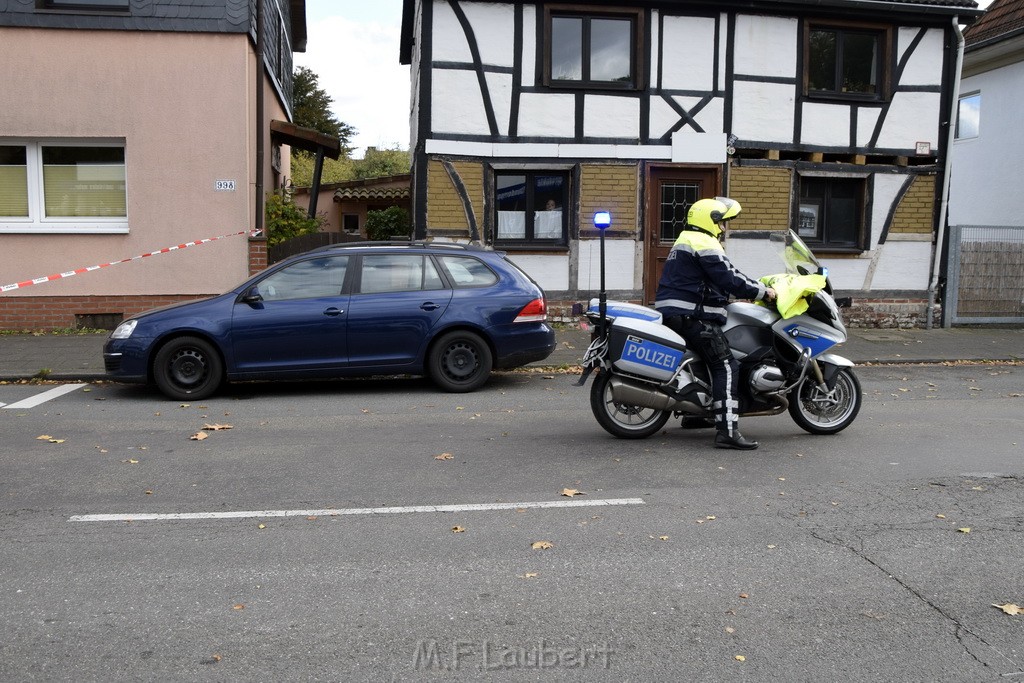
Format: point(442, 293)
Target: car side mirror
point(252, 296)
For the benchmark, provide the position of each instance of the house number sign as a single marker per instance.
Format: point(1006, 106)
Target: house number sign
point(224, 185)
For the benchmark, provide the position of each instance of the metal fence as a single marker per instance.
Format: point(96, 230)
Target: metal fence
point(986, 274)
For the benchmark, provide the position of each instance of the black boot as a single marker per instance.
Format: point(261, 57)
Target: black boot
point(735, 441)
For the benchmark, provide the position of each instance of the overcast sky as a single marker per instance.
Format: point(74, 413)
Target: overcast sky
point(352, 46)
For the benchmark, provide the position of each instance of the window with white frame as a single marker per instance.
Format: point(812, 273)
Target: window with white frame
point(62, 186)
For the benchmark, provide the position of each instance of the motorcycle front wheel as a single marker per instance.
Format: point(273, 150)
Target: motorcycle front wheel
point(623, 421)
point(820, 412)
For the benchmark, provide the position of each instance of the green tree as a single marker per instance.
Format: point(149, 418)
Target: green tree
point(386, 223)
point(312, 109)
point(334, 171)
point(380, 163)
point(286, 220)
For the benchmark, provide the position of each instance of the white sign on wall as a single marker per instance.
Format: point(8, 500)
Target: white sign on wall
point(224, 185)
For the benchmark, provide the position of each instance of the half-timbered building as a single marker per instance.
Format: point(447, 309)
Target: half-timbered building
point(829, 117)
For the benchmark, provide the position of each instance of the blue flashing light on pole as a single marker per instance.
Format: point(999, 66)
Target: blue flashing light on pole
point(602, 220)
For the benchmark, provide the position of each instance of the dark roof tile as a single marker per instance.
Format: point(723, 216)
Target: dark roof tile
point(1004, 17)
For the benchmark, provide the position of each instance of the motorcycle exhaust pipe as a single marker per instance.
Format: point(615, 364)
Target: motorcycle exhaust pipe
point(630, 394)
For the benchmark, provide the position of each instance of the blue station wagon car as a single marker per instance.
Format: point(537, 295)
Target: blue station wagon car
point(450, 311)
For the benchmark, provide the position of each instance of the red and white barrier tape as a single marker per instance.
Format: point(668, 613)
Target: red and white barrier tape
point(77, 271)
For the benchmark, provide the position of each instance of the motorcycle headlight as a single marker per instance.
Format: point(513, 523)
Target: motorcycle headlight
point(124, 330)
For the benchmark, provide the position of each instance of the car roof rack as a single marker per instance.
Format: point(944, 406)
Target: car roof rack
point(421, 244)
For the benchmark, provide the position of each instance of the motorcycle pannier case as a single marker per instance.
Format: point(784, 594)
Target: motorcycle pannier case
point(647, 349)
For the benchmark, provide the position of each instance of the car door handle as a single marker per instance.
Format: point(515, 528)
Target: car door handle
point(430, 306)
point(332, 311)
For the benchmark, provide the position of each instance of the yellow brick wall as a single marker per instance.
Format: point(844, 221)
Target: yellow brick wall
point(611, 188)
point(916, 211)
point(445, 210)
point(764, 194)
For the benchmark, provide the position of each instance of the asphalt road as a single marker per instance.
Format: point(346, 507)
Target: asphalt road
point(844, 558)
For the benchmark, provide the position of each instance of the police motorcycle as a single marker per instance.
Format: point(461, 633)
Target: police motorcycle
point(646, 375)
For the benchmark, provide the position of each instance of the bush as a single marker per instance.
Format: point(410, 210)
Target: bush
point(384, 224)
point(285, 220)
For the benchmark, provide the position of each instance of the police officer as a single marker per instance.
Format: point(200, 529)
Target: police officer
point(695, 285)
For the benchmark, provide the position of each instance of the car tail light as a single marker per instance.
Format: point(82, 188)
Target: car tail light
point(534, 312)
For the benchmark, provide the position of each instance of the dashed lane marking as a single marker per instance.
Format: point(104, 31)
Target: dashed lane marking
point(332, 512)
point(49, 395)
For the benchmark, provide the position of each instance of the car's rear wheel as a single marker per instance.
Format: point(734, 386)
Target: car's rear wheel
point(188, 368)
point(460, 362)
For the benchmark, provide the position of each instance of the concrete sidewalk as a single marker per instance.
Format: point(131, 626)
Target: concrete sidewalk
point(80, 357)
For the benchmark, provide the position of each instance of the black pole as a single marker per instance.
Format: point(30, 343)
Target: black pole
point(314, 192)
point(602, 305)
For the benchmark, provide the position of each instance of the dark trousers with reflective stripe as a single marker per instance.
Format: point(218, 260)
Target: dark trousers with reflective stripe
point(709, 341)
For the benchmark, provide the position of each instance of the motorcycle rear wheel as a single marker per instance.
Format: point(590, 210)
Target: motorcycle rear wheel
point(818, 412)
point(623, 421)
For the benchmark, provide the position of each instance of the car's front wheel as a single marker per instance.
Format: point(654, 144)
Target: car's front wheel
point(460, 362)
point(188, 368)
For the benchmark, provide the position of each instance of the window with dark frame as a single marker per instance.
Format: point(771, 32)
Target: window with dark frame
point(94, 5)
point(592, 49)
point(530, 207)
point(830, 212)
point(846, 62)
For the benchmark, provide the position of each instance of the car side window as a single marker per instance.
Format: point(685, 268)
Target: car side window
point(398, 273)
point(465, 271)
point(310, 279)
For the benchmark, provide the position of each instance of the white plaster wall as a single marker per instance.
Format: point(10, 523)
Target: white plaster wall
point(753, 257)
point(544, 115)
point(866, 120)
point(448, 40)
point(913, 117)
point(985, 186)
point(765, 46)
point(925, 66)
point(499, 88)
point(529, 45)
point(619, 258)
point(492, 26)
point(611, 117)
point(903, 265)
point(766, 113)
point(847, 274)
point(457, 105)
point(663, 117)
point(550, 272)
point(825, 124)
point(688, 52)
point(886, 189)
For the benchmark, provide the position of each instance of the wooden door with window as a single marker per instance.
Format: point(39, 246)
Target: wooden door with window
point(670, 192)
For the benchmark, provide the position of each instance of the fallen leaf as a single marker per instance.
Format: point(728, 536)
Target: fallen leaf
point(129, 461)
point(198, 436)
point(217, 427)
point(663, 538)
point(311, 518)
point(711, 518)
point(444, 456)
point(573, 492)
point(149, 492)
point(184, 405)
point(43, 437)
point(730, 629)
point(542, 545)
point(940, 516)
point(530, 575)
point(262, 526)
point(964, 530)
point(458, 529)
point(740, 658)
point(744, 596)
point(771, 547)
point(238, 607)
point(1010, 608)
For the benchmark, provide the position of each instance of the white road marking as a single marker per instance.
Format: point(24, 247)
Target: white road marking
point(332, 512)
point(33, 401)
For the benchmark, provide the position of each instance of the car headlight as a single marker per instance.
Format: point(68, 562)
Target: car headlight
point(124, 330)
